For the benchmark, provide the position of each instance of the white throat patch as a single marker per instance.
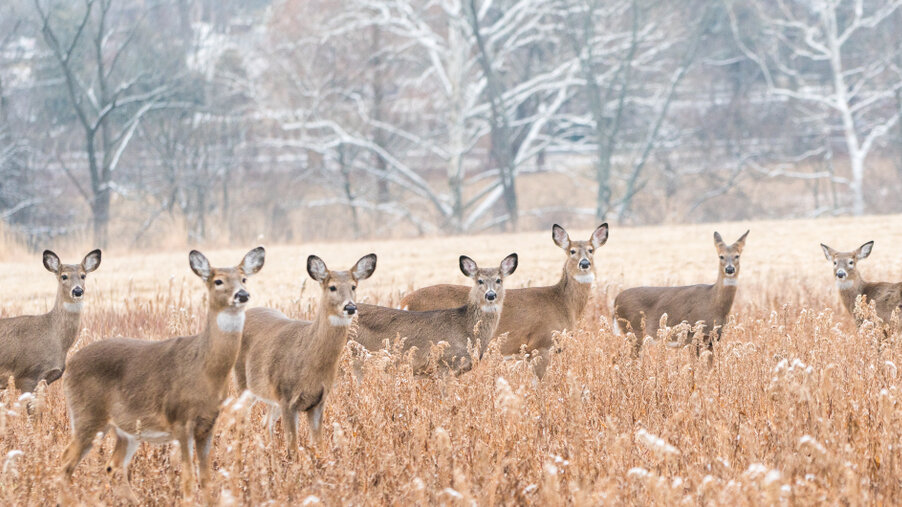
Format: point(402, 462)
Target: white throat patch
point(230, 322)
point(339, 320)
point(731, 282)
point(73, 307)
point(844, 284)
point(489, 308)
point(585, 278)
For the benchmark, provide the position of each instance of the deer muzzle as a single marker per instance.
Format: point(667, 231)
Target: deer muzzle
point(350, 309)
point(841, 273)
point(242, 296)
point(78, 292)
point(584, 264)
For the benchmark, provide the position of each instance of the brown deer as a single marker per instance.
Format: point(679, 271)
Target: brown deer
point(531, 315)
point(291, 364)
point(473, 323)
point(886, 296)
point(33, 347)
point(160, 391)
point(642, 307)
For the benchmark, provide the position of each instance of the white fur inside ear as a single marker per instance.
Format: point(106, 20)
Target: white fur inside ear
point(230, 322)
point(339, 320)
point(73, 307)
point(585, 278)
point(731, 282)
point(844, 284)
point(489, 308)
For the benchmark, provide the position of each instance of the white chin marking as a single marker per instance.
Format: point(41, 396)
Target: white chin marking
point(73, 307)
point(489, 308)
point(731, 281)
point(230, 322)
point(844, 284)
point(339, 320)
point(585, 278)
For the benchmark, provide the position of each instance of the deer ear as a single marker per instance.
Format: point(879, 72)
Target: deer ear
point(468, 266)
point(509, 265)
point(600, 236)
point(51, 261)
point(740, 243)
point(200, 265)
point(828, 252)
point(317, 269)
point(718, 241)
point(253, 261)
point(364, 267)
point(91, 261)
point(560, 236)
point(864, 250)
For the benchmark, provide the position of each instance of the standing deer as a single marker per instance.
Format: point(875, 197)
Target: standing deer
point(33, 347)
point(643, 306)
point(160, 391)
point(886, 296)
point(531, 315)
point(474, 322)
point(291, 364)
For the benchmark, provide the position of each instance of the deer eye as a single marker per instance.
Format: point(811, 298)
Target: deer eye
point(480, 282)
point(735, 257)
point(591, 250)
point(244, 280)
point(498, 280)
point(218, 282)
point(353, 287)
point(721, 257)
point(333, 288)
point(851, 263)
point(64, 277)
point(82, 277)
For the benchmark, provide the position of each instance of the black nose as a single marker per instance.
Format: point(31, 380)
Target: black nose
point(78, 292)
point(584, 264)
point(730, 270)
point(841, 274)
point(242, 296)
point(351, 308)
point(490, 295)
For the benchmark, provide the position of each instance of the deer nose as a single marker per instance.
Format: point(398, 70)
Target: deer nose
point(350, 308)
point(78, 292)
point(584, 264)
point(729, 270)
point(841, 274)
point(242, 296)
point(490, 295)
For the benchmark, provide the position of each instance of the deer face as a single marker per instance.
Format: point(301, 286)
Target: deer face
point(488, 290)
point(845, 263)
point(72, 278)
point(729, 257)
point(580, 254)
point(340, 287)
point(225, 286)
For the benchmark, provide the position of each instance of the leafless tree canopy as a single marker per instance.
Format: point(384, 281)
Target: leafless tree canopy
point(297, 119)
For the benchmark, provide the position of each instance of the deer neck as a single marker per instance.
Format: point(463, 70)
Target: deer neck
point(329, 336)
point(849, 289)
point(221, 340)
point(65, 320)
point(574, 292)
point(725, 292)
point(482, 321)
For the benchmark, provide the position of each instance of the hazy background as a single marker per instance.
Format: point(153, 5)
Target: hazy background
point(150, 123)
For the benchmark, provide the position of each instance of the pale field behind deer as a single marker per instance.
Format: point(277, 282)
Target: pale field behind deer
point(795, 406)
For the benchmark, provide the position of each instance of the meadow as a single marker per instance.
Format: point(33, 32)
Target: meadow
point(794, 407)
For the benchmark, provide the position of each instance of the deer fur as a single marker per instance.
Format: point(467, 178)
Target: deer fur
point(531, 315)
point(291, 364)
point(887, 296)
point(474, 322)
point(642, 307)
point(34, 347)
point(160, 391)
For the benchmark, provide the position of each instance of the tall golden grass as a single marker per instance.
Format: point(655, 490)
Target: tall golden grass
point(795, 406)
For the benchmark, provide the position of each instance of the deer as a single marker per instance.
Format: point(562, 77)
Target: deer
point(532, 315)
point(886, 296)
point(291, 364)
point(641, 308)
point(161, 391)
point(472, 324)
point(33, 348)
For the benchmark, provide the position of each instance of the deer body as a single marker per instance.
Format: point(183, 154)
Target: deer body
point(887, 296)
point(531, 315)
point(291, 364)
point(34, 347)
point(159, 391)
point(475, 322)
point(710, 304)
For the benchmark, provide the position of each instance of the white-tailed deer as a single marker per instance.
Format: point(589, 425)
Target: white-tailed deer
point(160, 391)
point(291, 364)
point(474, 322)
point(886, 296)
point(33, 347)
point(642, 307)
point(531, 315)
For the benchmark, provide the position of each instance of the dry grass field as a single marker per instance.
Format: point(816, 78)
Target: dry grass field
point(796, 406)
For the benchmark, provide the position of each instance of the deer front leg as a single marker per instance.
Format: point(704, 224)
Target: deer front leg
point(185, 439)
point(290, 428)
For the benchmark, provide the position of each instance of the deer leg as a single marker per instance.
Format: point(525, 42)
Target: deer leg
point(315, 421)
point(203, 439)
point(126, 445)
point(53, 375)
point(82, 436)
point(271, 419)
point(290, 428)
point(185, 439)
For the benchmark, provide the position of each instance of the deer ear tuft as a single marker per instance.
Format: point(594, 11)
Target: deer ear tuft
point(200, 265)
point(468, 266)
point(51, 261)
point(317, 269)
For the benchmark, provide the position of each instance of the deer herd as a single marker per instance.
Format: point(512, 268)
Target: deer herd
point(161, 391)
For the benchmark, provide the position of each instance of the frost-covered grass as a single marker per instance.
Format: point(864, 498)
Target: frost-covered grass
point(795, 406)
